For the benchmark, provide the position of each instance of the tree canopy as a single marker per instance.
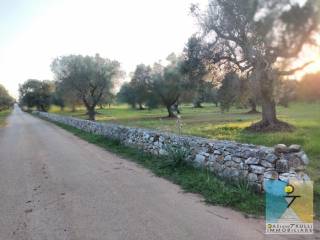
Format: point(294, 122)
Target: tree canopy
point(168, 82)
point(140, 83)
point(92, 78)
point(195, 69)
point(36, 93)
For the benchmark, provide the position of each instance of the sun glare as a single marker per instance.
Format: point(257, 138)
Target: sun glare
point(309, 54)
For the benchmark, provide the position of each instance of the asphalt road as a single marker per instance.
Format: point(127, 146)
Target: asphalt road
point(54, 185)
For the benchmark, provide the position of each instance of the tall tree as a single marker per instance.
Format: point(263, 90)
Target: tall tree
point(66, 96)
point(140, 83)
point(35, 93)
point(229, 91)
point(254, 36)
point(91, 77)
point(57, 96)
point(168, 83)
point(195, 69)
point(127, 95)
point(211, 93)
point(107, 100)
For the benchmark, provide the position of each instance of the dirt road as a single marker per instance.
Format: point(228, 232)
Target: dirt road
point(54, 185)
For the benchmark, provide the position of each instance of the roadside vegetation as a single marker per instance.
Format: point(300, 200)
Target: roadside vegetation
point(3, 115)
point(238, 196)
point(6, 102)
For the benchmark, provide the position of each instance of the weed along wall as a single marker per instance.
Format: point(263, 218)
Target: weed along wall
point(228, 159)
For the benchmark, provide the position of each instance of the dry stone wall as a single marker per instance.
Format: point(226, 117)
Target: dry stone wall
point(227, 159)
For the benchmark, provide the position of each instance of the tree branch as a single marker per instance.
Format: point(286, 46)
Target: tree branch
point(292, 71)
point(285, 53)
point(224, 36)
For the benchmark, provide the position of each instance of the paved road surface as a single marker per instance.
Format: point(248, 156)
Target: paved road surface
point(55, 186)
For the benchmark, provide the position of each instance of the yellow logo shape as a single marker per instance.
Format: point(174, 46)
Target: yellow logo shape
point(288, 189)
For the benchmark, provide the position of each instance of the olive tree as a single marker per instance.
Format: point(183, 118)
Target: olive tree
point(66, 96)
point(36, 93)
point(107, 100)
point(92, 78)
point(254, 36)
point(140, 83)
point(195, 69)
point(168, 83)
point(127, 95)
point(228, 92)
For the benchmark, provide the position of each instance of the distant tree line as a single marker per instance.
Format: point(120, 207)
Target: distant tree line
point(167, 85)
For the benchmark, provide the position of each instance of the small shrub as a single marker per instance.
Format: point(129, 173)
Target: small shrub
point(243, 185)
point(176, 156)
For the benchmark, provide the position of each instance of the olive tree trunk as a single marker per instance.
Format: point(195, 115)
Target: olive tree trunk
point(269, 114)
point(170, 111)
point(91, 113)
point(269, 121)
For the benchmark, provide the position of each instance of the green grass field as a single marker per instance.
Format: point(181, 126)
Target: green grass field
point(209, 122)
point(3, 115)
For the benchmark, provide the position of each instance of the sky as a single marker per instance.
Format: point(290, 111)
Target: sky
point(34, 32)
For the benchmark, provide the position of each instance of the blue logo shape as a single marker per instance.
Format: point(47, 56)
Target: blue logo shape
point(276, 204)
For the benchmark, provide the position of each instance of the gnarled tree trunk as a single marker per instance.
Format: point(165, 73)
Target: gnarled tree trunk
point(269, 114)
point(170, 111)
point(269, 120)
point(175, 107)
